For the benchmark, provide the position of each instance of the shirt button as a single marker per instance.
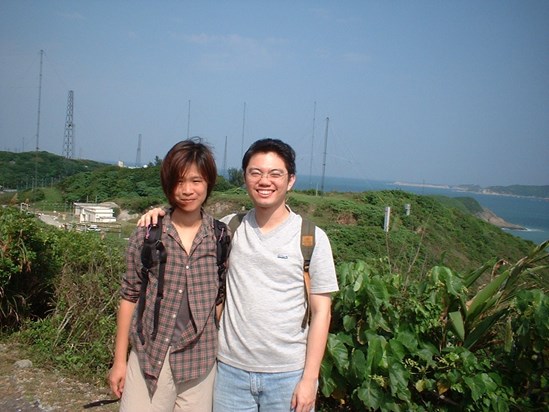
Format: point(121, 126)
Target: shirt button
point(173, 316)
point(187, 267)
point(180, 290)
point(166, 340)
point(159, 362)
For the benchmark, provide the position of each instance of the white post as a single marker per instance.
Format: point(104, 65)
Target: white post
point(387, 219)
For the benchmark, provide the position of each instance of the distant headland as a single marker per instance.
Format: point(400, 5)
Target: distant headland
point(513, 190)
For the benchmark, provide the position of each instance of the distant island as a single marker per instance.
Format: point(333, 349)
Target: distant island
point(513, 190)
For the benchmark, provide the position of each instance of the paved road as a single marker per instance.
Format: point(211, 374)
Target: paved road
point(50, 220)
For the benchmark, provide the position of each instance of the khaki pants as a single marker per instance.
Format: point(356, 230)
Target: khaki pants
point(191, 396)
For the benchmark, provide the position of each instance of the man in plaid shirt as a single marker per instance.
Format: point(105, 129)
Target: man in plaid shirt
point(171, 365)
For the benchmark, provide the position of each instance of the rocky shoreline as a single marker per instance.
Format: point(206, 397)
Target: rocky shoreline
point(488, 216)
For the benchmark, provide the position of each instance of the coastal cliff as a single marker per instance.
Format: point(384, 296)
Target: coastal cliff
point(488, 216)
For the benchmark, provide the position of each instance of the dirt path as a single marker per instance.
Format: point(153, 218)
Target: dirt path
point(32, 389)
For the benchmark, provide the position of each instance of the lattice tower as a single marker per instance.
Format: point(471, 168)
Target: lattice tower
point(68, 140)
point(138, 155)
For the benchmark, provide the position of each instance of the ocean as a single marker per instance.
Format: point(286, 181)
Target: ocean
point(531, 213)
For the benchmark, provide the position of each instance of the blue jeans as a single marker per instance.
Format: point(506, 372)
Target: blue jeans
point(238, 390)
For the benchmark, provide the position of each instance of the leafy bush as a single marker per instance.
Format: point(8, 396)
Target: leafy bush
point(29, 260)
point(419, 344)
point(86, 294)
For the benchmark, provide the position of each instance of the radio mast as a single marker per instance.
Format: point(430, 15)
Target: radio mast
point(39, 99)
point(38, 124)
point(189, 121)
point(225, 159)
point(138, 155)
point(68, 140)
point(324, 161)
point(312, 148)
point(243, 128)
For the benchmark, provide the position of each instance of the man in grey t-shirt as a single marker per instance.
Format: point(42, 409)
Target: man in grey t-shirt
point(266, 360)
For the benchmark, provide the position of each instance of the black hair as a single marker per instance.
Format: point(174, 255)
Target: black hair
point(282, 149)
point(178, 160)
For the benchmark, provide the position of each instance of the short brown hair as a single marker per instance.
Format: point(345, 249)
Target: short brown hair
point(178, 160)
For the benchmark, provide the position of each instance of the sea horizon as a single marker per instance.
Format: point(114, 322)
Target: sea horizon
point(532, 213)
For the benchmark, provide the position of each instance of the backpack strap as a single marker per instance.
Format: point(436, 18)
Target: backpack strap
point(307, 247)
point(235, 221)
point(223, 240)
point(152, 244)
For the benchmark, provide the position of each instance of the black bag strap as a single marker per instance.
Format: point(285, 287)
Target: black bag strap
point(152, 244)
point(235, 221)
point(223, 241)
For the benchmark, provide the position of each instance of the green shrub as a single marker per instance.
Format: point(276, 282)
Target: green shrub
point(78, 334)
point(29, 260)
point(406, 343)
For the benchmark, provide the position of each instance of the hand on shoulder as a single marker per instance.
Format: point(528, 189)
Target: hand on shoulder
point(151, 217)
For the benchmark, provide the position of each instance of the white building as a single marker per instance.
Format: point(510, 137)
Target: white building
point(94, 213)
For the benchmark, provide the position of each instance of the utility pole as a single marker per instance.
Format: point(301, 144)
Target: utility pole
point(189, 121)
point(39, 100)
point(138, 155)
point(68, 140)
point(324, 161)
point(38, 122)
point(243, 128)
point(312, 148)
point(225, 159)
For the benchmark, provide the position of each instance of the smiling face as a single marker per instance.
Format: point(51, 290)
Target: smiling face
point(190, 191)
point(267, 180)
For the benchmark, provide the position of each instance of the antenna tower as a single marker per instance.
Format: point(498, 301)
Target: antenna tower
point(225, 158)
point(35, 184)
point(68, 140)
point(243, 128)
point(324, 161)
point(138, 155)
point(312, 148)
point(189, 121)
point(39, 99)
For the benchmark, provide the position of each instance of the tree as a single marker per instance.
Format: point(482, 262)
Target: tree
point(236, 177)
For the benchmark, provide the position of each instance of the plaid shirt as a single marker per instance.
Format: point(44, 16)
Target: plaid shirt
point(194, 352)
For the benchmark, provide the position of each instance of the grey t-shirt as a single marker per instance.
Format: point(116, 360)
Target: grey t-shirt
point(261, 324)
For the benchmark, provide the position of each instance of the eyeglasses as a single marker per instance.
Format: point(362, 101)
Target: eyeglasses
point(272, 175)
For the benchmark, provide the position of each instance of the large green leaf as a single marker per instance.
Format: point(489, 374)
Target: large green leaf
point(371, 395)
point(338, 353)
point(456, 320)
point(375, 353)
point(478, 303)
point(482, 328)
point(358, 363)
point(398, 376)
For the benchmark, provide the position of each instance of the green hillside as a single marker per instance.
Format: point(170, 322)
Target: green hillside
point(20, 170)
point(438, 230)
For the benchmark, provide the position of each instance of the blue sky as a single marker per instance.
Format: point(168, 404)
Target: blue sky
point(441, 92)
